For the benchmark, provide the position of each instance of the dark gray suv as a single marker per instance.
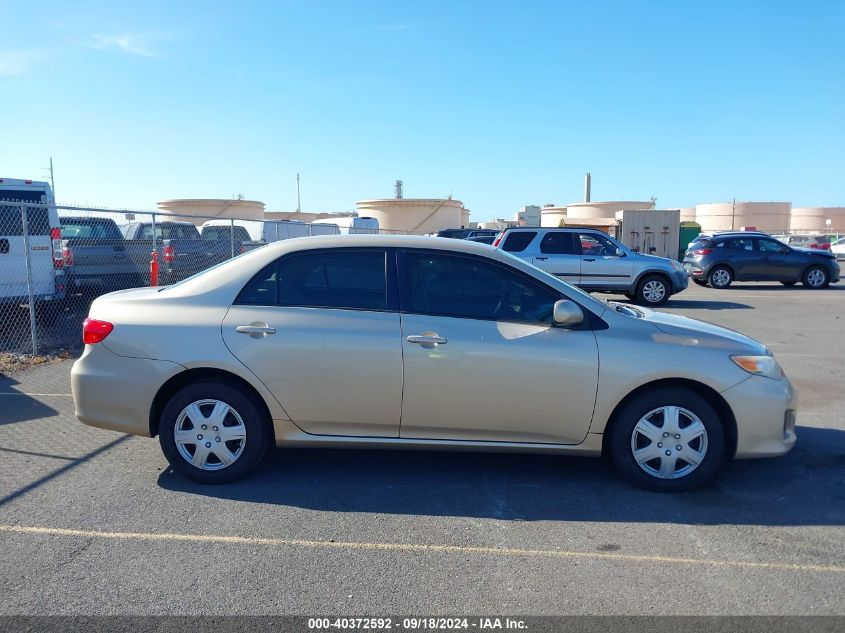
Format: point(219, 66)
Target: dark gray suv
point(719, 259)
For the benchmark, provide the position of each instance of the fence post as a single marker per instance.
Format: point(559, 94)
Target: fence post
point(31, 295)
point(232, 236)
point(155, 245)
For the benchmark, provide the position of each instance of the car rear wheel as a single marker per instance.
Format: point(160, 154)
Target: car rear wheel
point(720, 277)
point(652, 291)
point(212, 433)
point(815, 277)
point(667, 440)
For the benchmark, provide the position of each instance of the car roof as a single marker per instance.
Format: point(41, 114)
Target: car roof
point(230, 276)
point(572, 229)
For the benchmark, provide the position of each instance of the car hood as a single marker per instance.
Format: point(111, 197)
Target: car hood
point(685, 331)
point(652, 259)
point(816, 251)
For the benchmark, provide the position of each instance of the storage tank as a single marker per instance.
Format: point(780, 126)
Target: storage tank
point(813, 220)
point(551, 216)
point(415, 215)
point(604, 209)
point(687, 214)
point(206, 209)
point(772, 217)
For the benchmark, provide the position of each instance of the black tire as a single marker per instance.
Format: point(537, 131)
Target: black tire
point(720, 277)
point(256, 440)
point(648, 293)
point(700, 282)
point(789, 283)
point(621, 436)
point(815, 278)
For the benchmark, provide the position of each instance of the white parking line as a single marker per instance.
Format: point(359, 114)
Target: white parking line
point(414, 547)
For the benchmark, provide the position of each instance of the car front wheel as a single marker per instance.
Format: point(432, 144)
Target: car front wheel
point(652, 291)
point(815, 277)
point(667, 440)
point(212, 433)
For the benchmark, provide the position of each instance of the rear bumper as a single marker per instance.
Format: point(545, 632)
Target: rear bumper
point(765, 411)
point(116, 392)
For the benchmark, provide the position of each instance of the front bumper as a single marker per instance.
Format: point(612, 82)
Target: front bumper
point(116, 392)
point(680, 280)
point(765, 411)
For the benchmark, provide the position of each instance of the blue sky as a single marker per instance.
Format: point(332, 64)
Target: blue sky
point(498, 103)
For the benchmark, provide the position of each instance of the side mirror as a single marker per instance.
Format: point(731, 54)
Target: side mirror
point(567, 313)
point(620, 252)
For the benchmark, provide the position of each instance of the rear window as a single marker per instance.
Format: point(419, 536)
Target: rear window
point(518, 241)
point(89, 229)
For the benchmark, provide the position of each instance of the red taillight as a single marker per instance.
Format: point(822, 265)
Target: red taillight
point(702, 251)
point(56, 243)
point(95, 331)
point(498, 238)
point(169, 253)
point(67, 256)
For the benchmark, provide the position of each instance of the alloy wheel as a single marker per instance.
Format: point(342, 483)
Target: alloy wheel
point(654, 291)
point(816, 278)
point(669, 442)
point(721, 277)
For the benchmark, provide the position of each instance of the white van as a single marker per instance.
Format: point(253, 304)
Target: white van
point(45, 244)
point(264, 232)
point(353, 224)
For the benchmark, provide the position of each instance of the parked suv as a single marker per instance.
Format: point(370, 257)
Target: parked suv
point(596, 262)
point(718, 260)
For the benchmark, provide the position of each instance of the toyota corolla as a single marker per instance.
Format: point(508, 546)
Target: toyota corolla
point(425, 343)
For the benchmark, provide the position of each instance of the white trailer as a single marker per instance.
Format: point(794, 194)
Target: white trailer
point(352, 224)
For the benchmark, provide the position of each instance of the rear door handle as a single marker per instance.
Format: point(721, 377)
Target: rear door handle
point(541, 259)
point(589, 259)
point(256, 329)
point(427, 339)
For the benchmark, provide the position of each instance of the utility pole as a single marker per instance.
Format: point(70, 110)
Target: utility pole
point(298, 205)
point(52, 181)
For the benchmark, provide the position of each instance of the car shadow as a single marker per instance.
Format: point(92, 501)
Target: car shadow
point(697, 304)
point(16, 406)
point(805, 487)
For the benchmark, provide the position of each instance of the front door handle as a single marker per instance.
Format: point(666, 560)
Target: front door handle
point(541, 259)
point(256, 329)
point(589, 259)
point(427, 339)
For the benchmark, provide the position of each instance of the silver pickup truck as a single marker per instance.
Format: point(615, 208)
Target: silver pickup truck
point(594, 261)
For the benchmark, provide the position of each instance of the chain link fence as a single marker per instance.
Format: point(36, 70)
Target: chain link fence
point(55, 260)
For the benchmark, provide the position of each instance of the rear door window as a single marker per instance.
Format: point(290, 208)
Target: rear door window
point(353, 279)
point(558, 243)
point(518, 241)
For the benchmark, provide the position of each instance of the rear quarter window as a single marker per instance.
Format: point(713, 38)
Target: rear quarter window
point(518, 241)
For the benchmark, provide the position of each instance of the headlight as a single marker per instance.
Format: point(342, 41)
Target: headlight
point(759, 365)
point(678, 266)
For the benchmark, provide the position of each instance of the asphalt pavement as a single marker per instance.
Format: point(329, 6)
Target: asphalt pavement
point(94, 522)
